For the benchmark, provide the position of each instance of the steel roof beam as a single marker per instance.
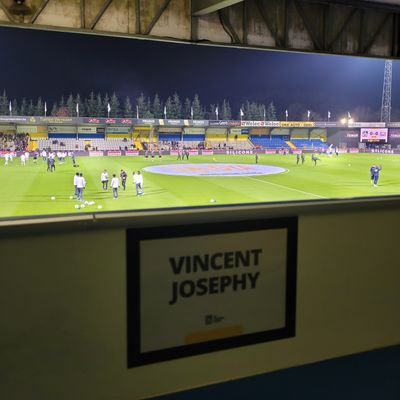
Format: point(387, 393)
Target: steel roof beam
point(203, 7)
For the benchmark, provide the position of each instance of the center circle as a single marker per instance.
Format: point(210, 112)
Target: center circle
point(214, 169)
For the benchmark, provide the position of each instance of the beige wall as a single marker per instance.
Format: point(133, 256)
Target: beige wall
point(63, 307)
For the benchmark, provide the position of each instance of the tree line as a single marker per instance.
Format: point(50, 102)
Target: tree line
point(104, 105)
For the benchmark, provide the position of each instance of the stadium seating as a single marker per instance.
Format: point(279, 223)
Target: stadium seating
point(309, 144)
point(84, 144)
point(193, 138)
point(269, 142)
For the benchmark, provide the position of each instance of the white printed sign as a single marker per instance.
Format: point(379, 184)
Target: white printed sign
point(210, 288)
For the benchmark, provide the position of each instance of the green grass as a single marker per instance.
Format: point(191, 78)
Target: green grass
point(27, 191)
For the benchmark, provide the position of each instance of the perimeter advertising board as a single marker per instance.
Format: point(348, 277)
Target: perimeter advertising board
point(202, 288)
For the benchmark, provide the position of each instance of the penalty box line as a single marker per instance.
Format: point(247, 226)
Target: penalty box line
point(289, 188)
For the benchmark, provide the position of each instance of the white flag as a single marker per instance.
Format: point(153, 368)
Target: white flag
point(241, 113)
point(286, 113)
point(329, 115)
point(108, 107)
point(191, 112)
point(348, 115)
point(10, 107)
point(308, 113)
point(165, 112)
point(77, 108)
point(216, 111)
point(45, 107)
point(137, 112)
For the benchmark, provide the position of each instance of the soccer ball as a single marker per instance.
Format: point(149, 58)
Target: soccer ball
point(86, 202)
point(77, 206)
point(99, 207)
point(52, 198)
point(212, 201)
point(71, 197)
point(83, 206)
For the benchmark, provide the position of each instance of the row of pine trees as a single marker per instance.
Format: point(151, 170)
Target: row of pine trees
point(111, 106)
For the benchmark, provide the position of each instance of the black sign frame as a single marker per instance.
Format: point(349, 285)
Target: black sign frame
point(134, 237)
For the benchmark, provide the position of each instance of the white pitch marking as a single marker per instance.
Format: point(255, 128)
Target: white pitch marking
point(287, 187)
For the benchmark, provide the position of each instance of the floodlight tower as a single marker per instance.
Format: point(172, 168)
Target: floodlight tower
point(387, 92)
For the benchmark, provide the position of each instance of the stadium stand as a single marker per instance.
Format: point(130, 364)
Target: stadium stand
point(68, 144)
point(271, 142)
point(13, 142)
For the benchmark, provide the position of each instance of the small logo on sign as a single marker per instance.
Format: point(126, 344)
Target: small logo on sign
point(212, 319)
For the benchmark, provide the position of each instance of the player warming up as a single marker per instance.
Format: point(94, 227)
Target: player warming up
point(374, 172)
point(314, 159)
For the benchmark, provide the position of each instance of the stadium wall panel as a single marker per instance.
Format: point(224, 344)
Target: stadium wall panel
point(62, 135)
point(260, 131)
point(36, 136)
point(280, 131)
point(91, 136)
point(65, 320)
point(118, 135)
point(318, 134)
point(62, 128)
point(216, 131)
point(298, 133)
point(349, 136)
point(191, 131)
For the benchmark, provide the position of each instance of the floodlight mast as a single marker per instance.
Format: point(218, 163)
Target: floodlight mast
point(387, 92)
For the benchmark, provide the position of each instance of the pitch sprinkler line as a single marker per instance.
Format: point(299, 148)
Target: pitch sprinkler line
point(289, 188)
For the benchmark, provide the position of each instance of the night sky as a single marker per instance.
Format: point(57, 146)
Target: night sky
point(50, 64)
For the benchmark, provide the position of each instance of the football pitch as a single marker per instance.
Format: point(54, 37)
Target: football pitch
point(31, 191)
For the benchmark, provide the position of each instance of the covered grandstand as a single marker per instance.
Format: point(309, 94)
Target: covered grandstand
point(88, 135)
